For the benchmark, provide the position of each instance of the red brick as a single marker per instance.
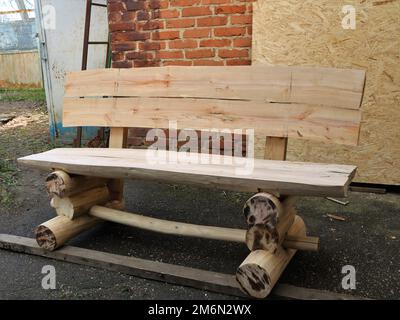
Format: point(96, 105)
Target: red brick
point(167, 14)
point(150, 25)
point(238, 62)
point(229, 31)
point(215, 43)
point(118, 56)
point(249, 30)
point(230, 9)
point(196, 11)
point(146, 63)
point(122, 26)
point(122, 64)
point(242, 19)
point(133, 5)
point(178, 63)
point(197, 33)
point(201, 53)
point(242, 42)
point(158, 4)
point(182, 44)
point(123, 46)
point(212, 21)
point(215, 1)
point(129, 16)
point(114, 17)
point(208, 62)
point(146, 46)
point(165, 35)
point(169, 54)
point(142, 15)
point(184, 3)
point(129, 36)
point(139, 55)
point(180, 23)
point(118, 6)
point(233, 53)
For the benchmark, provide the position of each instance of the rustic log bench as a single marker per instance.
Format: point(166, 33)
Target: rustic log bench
point(278, 103)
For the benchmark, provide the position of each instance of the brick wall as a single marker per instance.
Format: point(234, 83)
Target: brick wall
point(179, 32)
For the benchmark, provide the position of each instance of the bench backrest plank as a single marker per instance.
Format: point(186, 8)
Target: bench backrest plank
point(297, 102)
point(269, 119)
point(318, 86)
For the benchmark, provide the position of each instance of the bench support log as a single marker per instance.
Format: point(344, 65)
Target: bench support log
point(57, 231)
point(260, 271)
point(79, 204)
point(268, 219)
point(190, 230)
point(61, 184)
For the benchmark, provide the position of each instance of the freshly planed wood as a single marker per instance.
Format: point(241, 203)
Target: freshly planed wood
point(118, 139)
point(310, 85)
point(79, 204)
point(61, 184)
point(260, 271)
point(57, 231)
point(284, 177)
point(301, 243)
point(168, 227)
point(275, 148)
point(114, 214)
point(300, 121)
point(175, 274)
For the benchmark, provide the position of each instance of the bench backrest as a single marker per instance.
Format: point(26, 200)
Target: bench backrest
point(277, 102)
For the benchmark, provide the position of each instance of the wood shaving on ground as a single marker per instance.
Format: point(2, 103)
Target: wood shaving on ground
point(343, 203)
point(335, 217)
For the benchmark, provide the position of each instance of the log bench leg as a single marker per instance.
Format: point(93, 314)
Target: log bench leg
point(274, 233)
point(268, 219)
point(261, 270)
point(72, 198)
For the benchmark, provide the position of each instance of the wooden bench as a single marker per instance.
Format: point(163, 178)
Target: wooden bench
point(319, 104)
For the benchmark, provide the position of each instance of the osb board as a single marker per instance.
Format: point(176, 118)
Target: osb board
point(309, 32)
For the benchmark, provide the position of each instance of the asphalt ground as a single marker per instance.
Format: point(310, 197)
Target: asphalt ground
point(369, 240)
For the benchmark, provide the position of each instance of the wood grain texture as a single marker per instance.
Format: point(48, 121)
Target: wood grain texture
point(291, 178)
point(298, 121)
point(275, 148)
point(326, 86)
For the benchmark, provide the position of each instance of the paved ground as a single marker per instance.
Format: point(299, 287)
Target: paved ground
point(369, 240)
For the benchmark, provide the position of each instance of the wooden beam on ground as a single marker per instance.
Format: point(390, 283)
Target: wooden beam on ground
point(174, 274)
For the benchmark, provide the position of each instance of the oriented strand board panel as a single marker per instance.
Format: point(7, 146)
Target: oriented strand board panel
point(310, 33)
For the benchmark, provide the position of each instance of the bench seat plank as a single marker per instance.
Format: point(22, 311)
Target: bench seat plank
point(291, 178)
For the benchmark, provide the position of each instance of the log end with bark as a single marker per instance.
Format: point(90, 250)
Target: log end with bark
point(79, 204)
point(57, 231)
point(62, 184)
point(260, 271)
